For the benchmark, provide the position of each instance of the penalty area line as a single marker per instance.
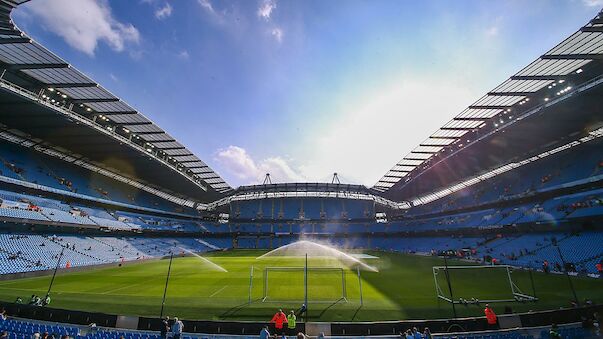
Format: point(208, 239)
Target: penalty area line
point(218, 291)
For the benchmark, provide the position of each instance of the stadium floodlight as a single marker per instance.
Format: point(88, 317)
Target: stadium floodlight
point(470, 279)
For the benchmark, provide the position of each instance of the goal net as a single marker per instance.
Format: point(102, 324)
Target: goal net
point(480, 284)
point(289, 284)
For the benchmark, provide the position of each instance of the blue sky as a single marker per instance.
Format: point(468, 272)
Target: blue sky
point(301, 89)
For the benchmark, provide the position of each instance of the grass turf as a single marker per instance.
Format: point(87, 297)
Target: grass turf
point(402, 289)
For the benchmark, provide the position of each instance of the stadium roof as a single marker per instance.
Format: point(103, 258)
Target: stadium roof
point(534, 86)
point(303, 187)
point(35, 70)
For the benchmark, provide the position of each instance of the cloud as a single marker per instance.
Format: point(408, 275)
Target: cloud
point(593, 3)
point(163, 12)
point(218, 16)
point(277, 33)
point(84, 23)
point(494, 28)
point(184, 55)
point(266, 8)
point(113, 77)
point(492, 31)
point(206, 4)
point(239, 163)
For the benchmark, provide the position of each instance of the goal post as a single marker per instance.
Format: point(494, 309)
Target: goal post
point(478, 284)
point(301, 285)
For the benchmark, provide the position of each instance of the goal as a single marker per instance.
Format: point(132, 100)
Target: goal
point(479, 284)
point(294, 285)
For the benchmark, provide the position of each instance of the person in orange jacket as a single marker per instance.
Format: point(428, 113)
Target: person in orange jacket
point(490, 317)
point(279, 319)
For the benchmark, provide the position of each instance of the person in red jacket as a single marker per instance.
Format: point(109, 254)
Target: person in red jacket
point(491, 317)
point(599, 267)
point(279, 320)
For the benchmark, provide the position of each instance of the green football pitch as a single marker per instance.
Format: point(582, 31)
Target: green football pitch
point(404, 288)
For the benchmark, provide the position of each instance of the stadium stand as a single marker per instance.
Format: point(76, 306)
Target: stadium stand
point(24, 329)
point(549, 209)
point(25, 164)
point(31, 252)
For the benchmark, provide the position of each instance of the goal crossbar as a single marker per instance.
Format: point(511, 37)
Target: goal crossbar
point(517, 294)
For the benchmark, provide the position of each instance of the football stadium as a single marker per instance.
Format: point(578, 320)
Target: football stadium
point(490, 227)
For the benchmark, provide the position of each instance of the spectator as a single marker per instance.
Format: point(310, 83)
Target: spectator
point(291, 322)
point(407, 335)
point(301, 336)
point(36, 335)
point(165, 327)
point(264, 333)
point(490, 317)
point(427, 333)
point(599, 267)
point(279, 319)
point(416, 334)
point(553, 333)
point(4, 335)
point(177, 328)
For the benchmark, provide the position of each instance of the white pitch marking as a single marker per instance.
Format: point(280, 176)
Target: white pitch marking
point(218, 291)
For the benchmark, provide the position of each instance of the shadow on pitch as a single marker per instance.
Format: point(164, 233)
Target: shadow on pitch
point(356, 312)
point(234, 310)
point(322, 313)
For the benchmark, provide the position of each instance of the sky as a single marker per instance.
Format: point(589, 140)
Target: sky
point(301, 89)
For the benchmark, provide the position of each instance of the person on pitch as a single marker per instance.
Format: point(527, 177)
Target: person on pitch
point(302, 309)
point(279, 319)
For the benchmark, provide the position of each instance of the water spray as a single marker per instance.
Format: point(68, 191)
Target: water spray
point(301, 247)
point(212, 264)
